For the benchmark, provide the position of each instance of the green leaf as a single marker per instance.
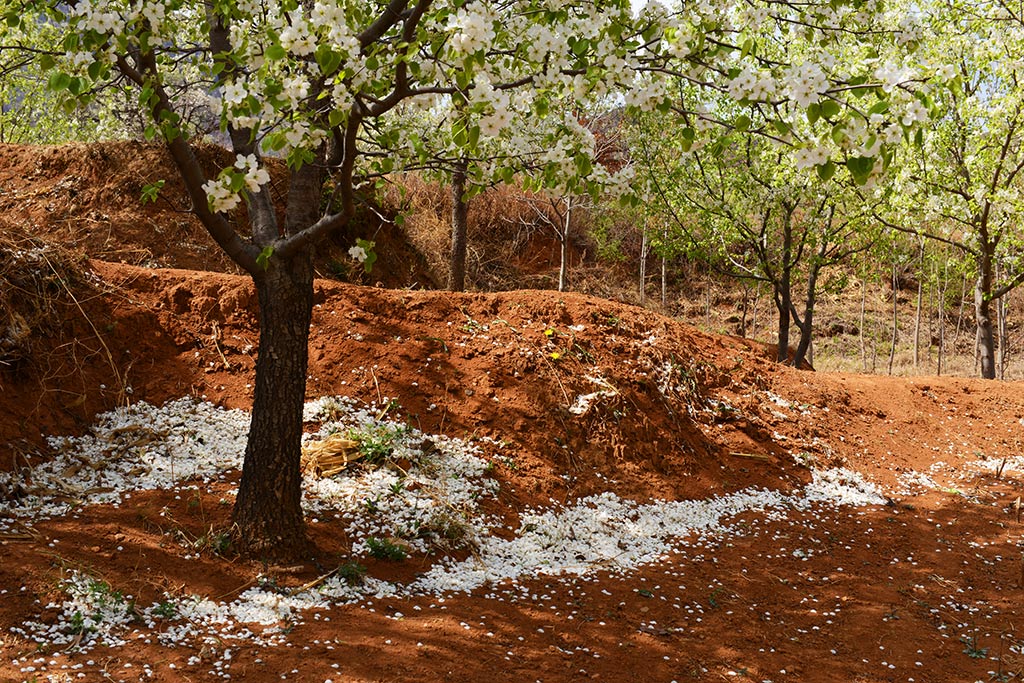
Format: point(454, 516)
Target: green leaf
point(275, 52)
point(77, 86)
point(95, 69)
point(584, 165)
point(47, 62)
point(742, 122)
point(328, 60)
point(826, 170)
point(830, 109)
point(860, 168)
point(879, 107)
point(813, 113)
point(838, 133)
point(688, 134)
point(748, 48)
point(263, 260)
point(151, 191)
point(336, 117)
point(781, 127)
point(58, 81)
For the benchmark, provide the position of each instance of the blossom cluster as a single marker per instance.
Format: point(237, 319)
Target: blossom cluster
point(223, 193)
point(296, 72)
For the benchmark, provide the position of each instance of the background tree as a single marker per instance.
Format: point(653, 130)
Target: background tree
point(963, 186)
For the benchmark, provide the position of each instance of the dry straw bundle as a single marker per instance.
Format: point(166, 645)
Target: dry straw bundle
point(330, 456)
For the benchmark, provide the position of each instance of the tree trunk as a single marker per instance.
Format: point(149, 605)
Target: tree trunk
point(986, 336)
point(643, 265)
point(920, 307)
point(895, 316)
point(460, 220)
point(807, 324)
point(960, 312)
point(563, 263)
point(1001, 332)
point(940, 309)
point(267, 519)
point(783, 302)
point(664, 283)
point(863, 306)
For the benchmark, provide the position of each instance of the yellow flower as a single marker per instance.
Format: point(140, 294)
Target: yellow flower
point(548, 332)
point(555, 355)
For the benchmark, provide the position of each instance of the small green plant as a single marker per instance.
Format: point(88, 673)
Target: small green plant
point(166, 610)
point(385, 549)
point(151, 191)
point(377, 442)
point(971, 648)
point(77, 627)
point(352, 573)
point(445, 529)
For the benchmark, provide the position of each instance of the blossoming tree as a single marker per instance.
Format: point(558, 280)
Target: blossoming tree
point(316, 81)
point(964, 186)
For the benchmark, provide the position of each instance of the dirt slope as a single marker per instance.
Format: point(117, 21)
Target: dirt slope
point(674, 413)
point(590, 396)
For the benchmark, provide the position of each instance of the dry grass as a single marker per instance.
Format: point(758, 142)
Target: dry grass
point(34, 286)
point(504, 234)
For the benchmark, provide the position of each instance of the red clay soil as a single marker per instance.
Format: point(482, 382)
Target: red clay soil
point(928, 587)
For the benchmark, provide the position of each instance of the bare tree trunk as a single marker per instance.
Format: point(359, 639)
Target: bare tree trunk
point(960, 313)
point(757, 301)
point(563, 265)
point(743, 316)
point(664, 279)
point(983, 313)
point(807, 324)
point(1001, 346)
point(643, 264)
point(940, 308)
point(784, 304)
point(920, 308)
point(707, 301)
point(460, 229)
point(863, 326)
point(895, 316)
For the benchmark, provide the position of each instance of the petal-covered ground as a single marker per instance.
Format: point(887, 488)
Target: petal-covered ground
point(544, 486)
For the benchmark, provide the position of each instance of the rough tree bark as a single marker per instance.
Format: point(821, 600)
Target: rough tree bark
point(267, 518)
point(986, 335)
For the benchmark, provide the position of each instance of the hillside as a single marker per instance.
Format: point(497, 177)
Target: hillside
point(613, 494)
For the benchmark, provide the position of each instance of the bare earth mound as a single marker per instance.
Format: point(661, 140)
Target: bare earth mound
point(612, 495)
